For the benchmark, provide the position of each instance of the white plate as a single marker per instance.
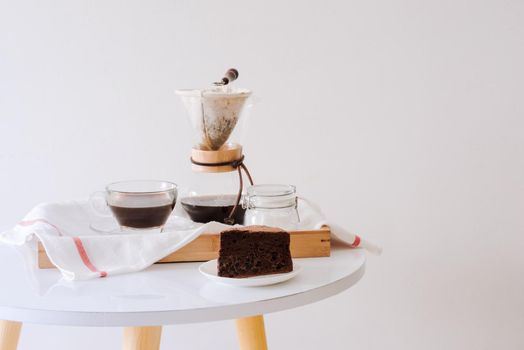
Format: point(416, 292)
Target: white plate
point(210, 270)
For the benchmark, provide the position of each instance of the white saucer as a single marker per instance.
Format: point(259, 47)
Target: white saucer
point(109, 225)
point(209, 269)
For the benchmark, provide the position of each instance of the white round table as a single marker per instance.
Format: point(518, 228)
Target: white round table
point(161, 295)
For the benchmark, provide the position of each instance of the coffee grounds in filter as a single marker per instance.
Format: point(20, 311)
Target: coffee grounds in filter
point(220, 117)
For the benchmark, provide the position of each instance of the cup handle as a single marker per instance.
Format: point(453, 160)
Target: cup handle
point(98, 203)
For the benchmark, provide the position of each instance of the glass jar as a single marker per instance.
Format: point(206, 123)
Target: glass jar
point(271, 205)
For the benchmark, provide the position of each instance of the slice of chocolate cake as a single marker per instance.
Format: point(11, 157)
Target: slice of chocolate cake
point(254, 251)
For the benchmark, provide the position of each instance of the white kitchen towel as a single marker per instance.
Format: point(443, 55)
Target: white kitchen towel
point(311, 217)
point(81, 251)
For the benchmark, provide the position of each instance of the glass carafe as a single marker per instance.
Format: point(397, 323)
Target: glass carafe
point(216, 114)
point(212, 197)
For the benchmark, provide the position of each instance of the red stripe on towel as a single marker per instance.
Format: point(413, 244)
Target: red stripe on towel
point(85, 259)
point(356, 242)
point(32, 222)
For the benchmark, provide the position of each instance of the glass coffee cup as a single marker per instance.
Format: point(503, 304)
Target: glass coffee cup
point(138, 204)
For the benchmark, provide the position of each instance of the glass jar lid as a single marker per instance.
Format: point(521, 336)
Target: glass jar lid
point(270, 197)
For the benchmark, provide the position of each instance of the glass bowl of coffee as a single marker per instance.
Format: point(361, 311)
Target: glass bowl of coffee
point(213, 207)
point(212, 197)
point(139, 204)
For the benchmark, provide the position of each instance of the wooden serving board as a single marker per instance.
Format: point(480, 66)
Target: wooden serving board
point(304, 244)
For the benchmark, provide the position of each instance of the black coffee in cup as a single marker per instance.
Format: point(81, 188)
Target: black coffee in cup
point(141, 204)
point(145, 217)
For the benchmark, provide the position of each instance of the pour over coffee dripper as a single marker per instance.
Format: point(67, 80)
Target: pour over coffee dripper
point(215, 114)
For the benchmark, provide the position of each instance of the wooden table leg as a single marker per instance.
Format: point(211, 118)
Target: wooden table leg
point(141, 338)
point(251, 334)
point(9, 334)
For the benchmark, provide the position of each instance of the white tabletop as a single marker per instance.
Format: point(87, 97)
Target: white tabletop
point(163, 294)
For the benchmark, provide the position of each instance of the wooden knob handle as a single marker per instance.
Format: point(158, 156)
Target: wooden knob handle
point(230, 76)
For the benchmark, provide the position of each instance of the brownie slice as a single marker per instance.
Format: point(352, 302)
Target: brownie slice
point(254, 251)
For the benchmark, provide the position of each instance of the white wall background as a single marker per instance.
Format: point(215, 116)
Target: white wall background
point(403, 119)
